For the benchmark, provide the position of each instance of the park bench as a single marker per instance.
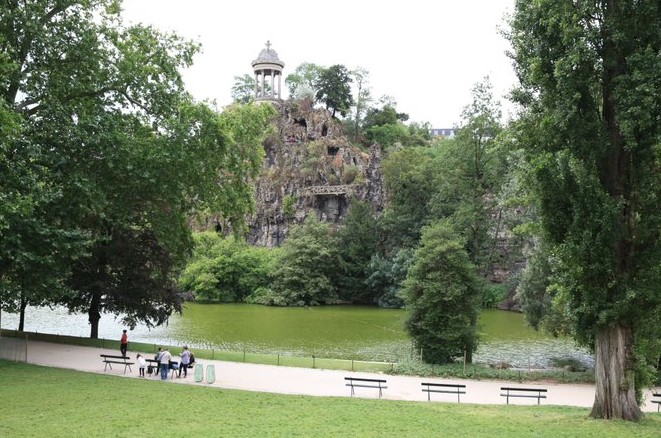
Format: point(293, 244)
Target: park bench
point(658, 402)
point(379, 384)
point(109, 359)
point(523, 392)
point(446, 388)
point(173, 367)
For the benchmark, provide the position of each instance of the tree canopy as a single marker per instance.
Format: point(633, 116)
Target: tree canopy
point(303, 272)
point(590, 78)
point(443, 294)
point(304, 81)
point(110, 158)
point(334, 89)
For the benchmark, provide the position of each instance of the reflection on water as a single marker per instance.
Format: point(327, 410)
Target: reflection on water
point(351, 332)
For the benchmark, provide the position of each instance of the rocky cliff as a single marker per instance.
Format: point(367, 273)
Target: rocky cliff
point(310, 168)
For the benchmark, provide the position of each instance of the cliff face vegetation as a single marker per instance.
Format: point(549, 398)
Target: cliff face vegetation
point(310, 168)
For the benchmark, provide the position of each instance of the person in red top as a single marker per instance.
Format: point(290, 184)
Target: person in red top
point(124, 343)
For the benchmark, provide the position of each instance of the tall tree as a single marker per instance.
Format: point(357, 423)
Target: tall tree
point(363, 98)
point(411, 179)
point(125, 156)
point(473, 168)
point(443, 295)
point(590, 81)
point(334, 89)
point(303, 273)
point(356, 243)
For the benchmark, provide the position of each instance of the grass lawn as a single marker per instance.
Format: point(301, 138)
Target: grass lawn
point(40, 401)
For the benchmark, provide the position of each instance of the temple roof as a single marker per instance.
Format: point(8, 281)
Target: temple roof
point(268, 56)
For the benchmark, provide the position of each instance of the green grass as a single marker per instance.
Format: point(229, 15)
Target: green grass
point(41, 401)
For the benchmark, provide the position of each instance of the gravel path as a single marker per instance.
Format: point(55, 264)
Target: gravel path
point(313, 382)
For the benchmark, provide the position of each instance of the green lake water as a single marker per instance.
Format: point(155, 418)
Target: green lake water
point(351, 332)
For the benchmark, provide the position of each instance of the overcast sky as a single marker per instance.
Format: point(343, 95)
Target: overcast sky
point(426, 54)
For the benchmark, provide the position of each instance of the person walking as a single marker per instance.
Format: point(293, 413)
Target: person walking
point(165, 363)
point(185, 360)
point(124, 343)
point(142, 364)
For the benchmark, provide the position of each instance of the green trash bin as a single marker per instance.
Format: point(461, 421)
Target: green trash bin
point(211, 373)
point(199, 372)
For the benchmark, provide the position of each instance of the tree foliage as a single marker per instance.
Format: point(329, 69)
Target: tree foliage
point(411, 178)
point(243, 90)
point(443, 295)
point(533, 288)
point(363, 98)
point(590, 80)
point(385, 276)
point(473, 168)
point(386, 115)
point(113, 157)
point(226, 269)
point(356, 242)
point(304, 270)
point(334, 89)
point(304, 81)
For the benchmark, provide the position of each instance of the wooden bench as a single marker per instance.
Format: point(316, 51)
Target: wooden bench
point(366, 383)
point(109, 359)
point(523, 392)
point(446, 388)
point(658, 402)
point(156, 367)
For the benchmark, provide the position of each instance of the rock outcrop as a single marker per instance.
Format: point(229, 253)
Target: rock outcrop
point(310, 168)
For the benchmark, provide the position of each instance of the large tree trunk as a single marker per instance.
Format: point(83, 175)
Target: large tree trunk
point(615, 392)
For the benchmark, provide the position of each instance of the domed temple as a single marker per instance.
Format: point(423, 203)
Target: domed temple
point(267, 64)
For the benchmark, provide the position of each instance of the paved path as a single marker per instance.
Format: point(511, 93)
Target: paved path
point(313, 382)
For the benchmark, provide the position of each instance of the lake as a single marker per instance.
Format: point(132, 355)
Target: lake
point(351, 332)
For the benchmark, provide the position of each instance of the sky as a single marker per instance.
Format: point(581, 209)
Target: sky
point(426, 54)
